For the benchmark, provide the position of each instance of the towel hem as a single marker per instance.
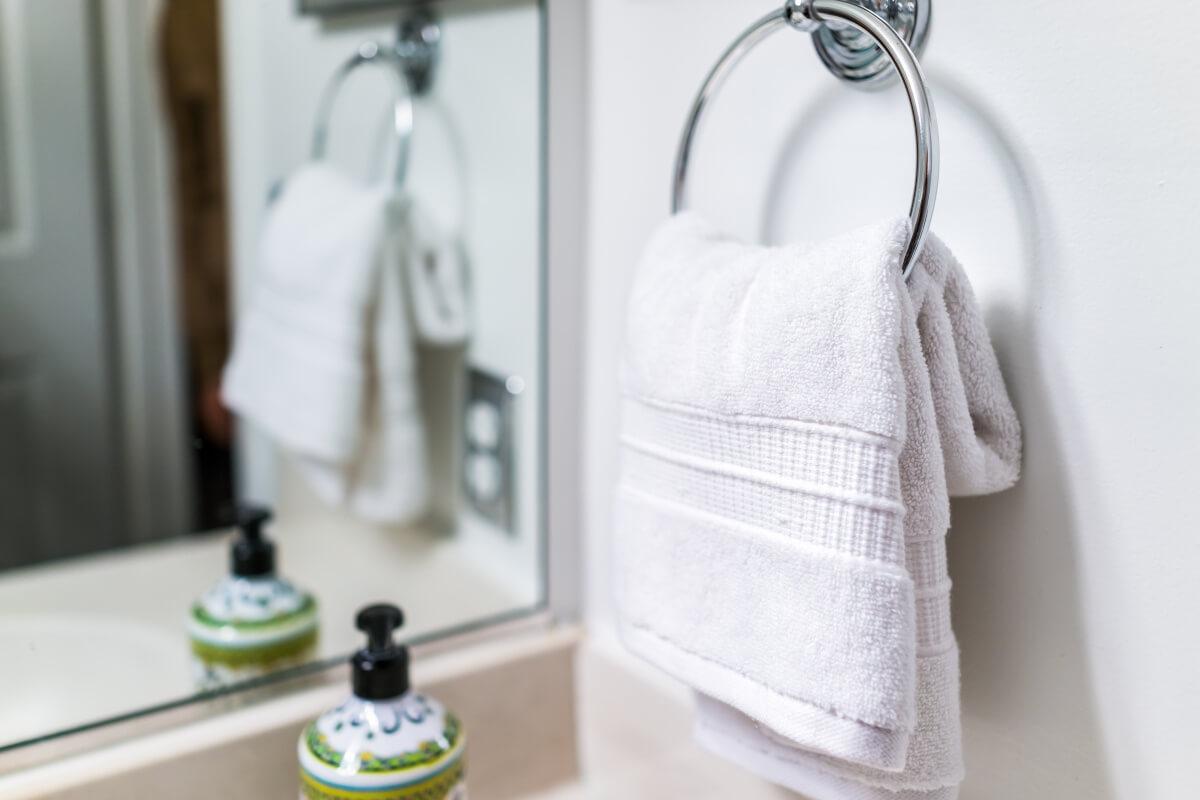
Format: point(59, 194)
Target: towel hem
point(804, 775)
point(822, 730)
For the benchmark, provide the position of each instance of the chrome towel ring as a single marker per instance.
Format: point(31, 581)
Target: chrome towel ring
point(402, 110)
point(811, 16)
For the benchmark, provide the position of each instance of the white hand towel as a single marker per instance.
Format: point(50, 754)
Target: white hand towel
point(437, 266)
point(323, 357)
point(794, 420)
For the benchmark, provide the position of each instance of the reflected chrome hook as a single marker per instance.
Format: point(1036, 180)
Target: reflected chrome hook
point(402, 110)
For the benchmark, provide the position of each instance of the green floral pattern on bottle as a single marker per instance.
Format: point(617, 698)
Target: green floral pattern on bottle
point(447, 785)
point(262, 655)
point(308, 607)
point(427, 753)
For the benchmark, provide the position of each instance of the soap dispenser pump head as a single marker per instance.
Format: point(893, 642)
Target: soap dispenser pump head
point(252, 554)
point(381, 668)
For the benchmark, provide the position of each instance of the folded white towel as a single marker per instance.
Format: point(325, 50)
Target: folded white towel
point(794, 420)
point(323, 357)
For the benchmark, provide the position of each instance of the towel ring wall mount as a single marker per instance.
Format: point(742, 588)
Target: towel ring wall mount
point(853, 55)
point(865, 43)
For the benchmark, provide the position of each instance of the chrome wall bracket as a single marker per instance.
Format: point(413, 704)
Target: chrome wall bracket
point(813, 17)
point(853, 56)
point(418, 47)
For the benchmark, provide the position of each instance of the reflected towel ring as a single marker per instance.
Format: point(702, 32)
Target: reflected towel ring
point(809, 16)
point(402, 112)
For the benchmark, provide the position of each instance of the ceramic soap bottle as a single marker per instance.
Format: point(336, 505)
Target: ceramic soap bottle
point(252, 621)
point(386, 741)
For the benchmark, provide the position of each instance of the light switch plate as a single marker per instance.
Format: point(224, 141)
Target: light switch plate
point(488, 468)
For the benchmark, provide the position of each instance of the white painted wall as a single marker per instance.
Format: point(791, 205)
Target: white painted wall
point(1071, 184)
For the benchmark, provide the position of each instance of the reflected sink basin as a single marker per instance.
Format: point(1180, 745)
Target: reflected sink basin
point(58, 671)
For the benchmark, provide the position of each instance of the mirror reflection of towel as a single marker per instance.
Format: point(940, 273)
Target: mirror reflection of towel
point(438, 277)
point(323, 358)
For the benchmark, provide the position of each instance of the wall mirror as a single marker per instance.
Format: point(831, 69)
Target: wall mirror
point(275, 264)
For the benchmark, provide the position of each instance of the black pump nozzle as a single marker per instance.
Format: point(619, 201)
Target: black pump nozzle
point(252, 553)
point(378, 622)
point(381, 668)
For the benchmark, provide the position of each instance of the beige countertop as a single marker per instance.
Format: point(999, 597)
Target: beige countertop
point(614, 731)
point(635, 739)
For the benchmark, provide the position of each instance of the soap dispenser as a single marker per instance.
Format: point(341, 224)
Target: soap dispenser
point(386, 741)
point(252, 621)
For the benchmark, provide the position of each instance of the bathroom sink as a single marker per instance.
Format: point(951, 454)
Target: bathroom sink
point(58, 671)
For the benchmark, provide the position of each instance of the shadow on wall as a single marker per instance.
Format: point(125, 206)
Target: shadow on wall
point(1029, 700)
point(1028, 689)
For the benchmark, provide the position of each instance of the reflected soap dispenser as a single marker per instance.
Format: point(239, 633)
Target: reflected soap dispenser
point(386, 741)
point(252, 621)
